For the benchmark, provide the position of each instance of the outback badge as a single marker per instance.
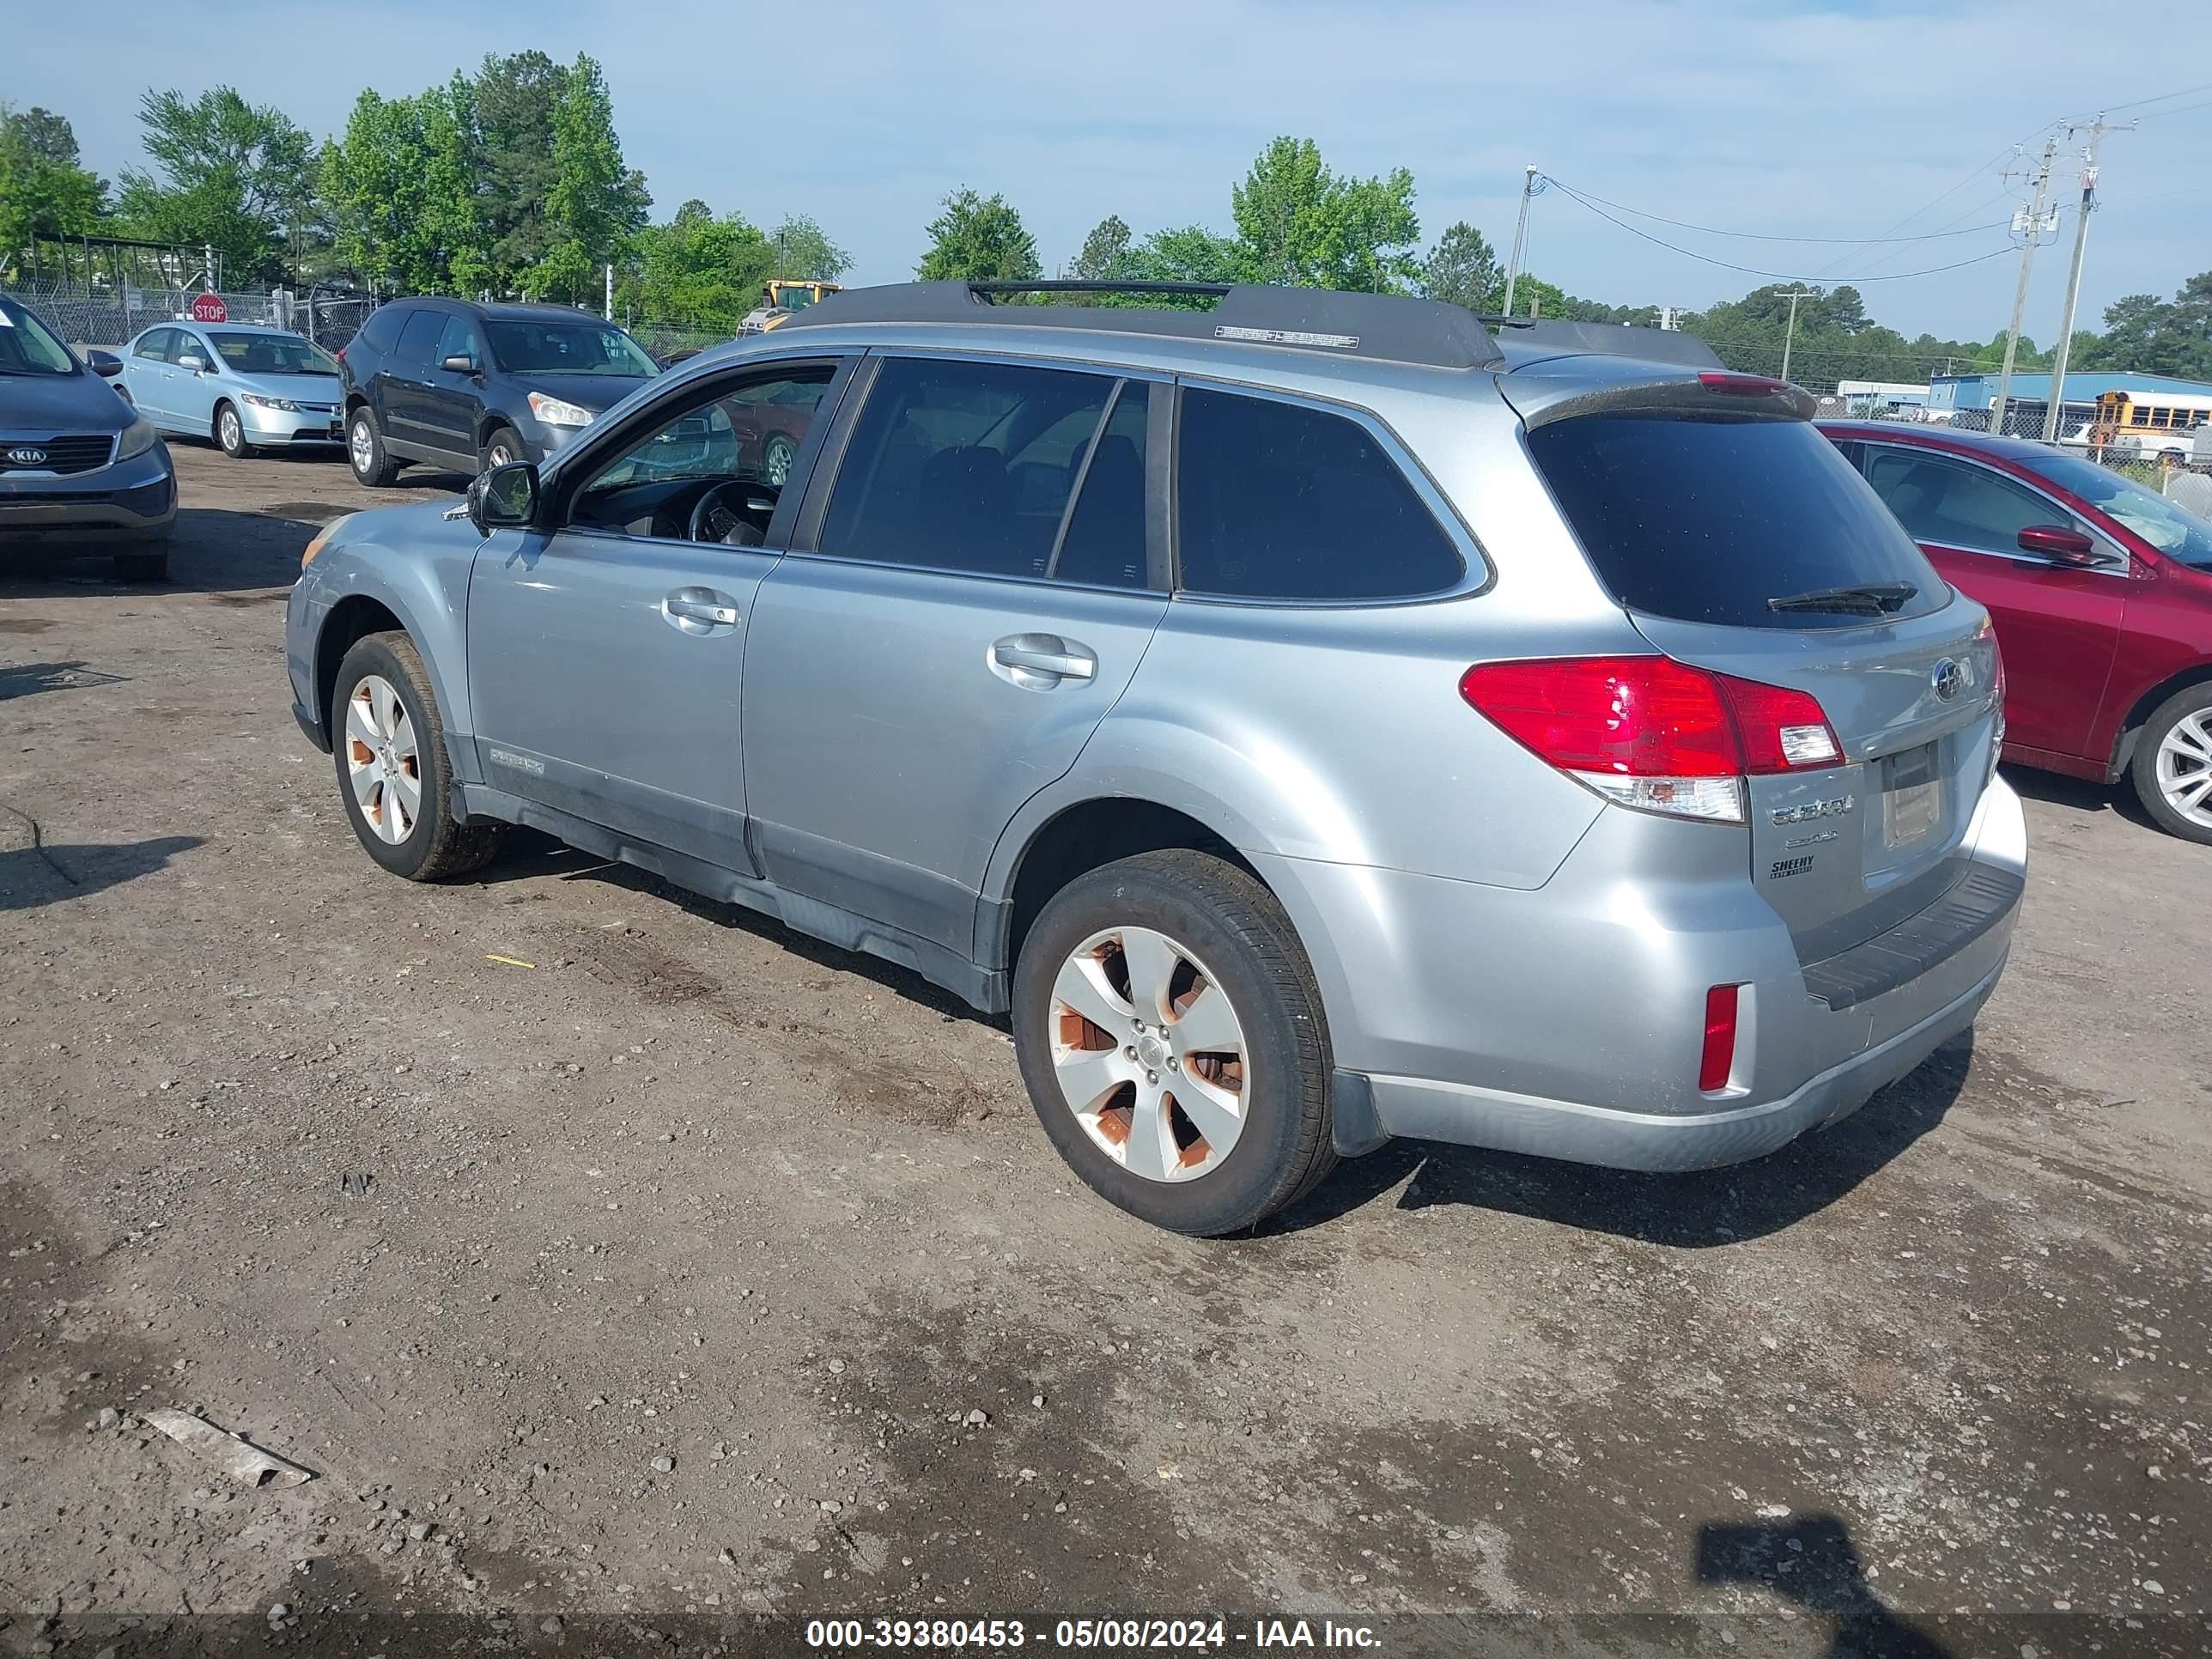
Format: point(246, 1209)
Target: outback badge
point(1834, 806)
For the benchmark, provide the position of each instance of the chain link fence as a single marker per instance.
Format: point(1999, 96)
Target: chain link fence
point(108, 317)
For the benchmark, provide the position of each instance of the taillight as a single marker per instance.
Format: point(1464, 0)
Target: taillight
point(1717, 1058)
point(342, 352)
point(1996, 708)
point(1652, 734)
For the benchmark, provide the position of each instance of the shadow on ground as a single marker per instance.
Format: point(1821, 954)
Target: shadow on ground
point(38, 875)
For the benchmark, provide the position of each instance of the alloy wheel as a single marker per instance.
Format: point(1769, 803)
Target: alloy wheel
point(2184, 767)
point(382, 760)
point(500, 454)
point(234, 437)
point(778, 461)
point(1149, 1054)
point(363, 447)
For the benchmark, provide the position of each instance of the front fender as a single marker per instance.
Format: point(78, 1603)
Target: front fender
point(410, 562)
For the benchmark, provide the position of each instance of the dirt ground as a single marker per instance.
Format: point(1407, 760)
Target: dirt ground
point(612, 1257)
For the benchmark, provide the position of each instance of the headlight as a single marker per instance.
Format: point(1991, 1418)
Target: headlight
point(137, 438)
point(558, 411)
point(260, 402)
point(322, 539)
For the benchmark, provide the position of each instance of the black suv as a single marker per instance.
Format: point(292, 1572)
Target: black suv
point(471, 387)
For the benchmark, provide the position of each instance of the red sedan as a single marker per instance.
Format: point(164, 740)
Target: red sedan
point(2101, 591)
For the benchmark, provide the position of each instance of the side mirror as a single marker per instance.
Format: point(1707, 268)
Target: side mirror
point(2060, 544)
point(105, 364)
point(504, 495)
point(192, 363)
point(459, 364)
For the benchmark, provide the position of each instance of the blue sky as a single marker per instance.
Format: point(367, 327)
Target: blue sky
point(1828, 120)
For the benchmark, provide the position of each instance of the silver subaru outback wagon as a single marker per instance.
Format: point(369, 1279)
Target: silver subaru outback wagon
point(1308, 721)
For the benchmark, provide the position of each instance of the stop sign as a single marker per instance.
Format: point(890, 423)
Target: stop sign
point(209, 308)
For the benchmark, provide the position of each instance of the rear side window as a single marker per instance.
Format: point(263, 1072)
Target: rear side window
point(382, 328)
point(1706, 520)
point(1276, 501)
point(966, 466)
point(420, 337)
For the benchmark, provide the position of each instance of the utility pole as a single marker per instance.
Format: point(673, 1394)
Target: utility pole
point(2097, 129)
point(610, 311)
point(1529, 186)
point(1789, 334)
point(2031, 220)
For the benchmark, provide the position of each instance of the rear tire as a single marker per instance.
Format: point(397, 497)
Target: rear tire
point(365, 451)
point(1220, 934)
point(230, 433)
point(2171, 769)
point(394, 777)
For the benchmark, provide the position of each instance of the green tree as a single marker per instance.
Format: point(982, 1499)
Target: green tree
point(232, 175)
point(2157, 337)
point(400, 190)
point(979, 239)
point(804, 250)
point(697, 271)
point(1105, 252)
point(595, 203)
point(43, 190)
point(1462, 269)
point(1299, 223)
point(514, 99)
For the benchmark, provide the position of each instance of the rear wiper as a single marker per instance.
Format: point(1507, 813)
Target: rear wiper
point(1871, 599)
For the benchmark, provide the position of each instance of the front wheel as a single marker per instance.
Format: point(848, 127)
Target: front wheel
point(502, 448)
point(776, 457)
point(230, 433)
point(1172, 1040)
point(2173, 765)
point(365, 451)
point(389, 743)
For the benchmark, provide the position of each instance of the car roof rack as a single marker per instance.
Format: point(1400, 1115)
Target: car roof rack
point(1377, 327)
point(1567, 338)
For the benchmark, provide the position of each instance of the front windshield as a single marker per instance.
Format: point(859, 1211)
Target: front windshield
point(563, 347)
point(274, 354)
point(2173, 531)
point(28, 347)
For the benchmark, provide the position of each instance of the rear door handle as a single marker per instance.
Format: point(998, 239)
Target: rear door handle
point(1048, 655)
point(702, 604)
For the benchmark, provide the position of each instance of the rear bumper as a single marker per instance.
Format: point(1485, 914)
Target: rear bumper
point(1568, 1021)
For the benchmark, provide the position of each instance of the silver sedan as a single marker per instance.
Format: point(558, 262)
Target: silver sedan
point(246, 388)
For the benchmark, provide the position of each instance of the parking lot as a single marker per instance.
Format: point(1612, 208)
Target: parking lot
point(603, 1250)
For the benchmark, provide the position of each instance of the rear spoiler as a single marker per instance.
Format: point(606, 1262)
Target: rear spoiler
point(1711, 392)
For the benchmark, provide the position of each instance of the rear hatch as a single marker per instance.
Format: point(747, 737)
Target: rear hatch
point(1740, 542)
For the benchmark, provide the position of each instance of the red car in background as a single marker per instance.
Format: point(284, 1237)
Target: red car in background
point(2101, 592)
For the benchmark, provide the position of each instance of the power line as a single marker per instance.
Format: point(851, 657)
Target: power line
point(1758, 236)
point(1780, 275)
point(1970, 175)
point(2159, 99)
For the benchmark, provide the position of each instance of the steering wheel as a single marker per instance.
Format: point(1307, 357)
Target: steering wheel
point(714, 520)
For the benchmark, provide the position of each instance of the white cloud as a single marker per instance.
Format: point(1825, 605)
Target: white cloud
point(1830, 120)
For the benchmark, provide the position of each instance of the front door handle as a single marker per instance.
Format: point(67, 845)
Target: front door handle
point(700, 607)
point(1047, 654)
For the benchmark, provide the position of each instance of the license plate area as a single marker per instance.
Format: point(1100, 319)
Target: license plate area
point(1912, 796)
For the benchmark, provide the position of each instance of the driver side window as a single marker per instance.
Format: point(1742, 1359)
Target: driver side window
point(714, 470)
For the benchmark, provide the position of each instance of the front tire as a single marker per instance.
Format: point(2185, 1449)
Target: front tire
point(365, 451)
point(389, 743)
point(230, 433)
point(501, 446)
point(2173, 765)
point(1172, 1040)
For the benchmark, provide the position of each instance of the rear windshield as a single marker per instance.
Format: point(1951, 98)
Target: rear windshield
point(1708, 521)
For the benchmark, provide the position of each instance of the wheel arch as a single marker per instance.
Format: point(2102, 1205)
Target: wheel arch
point(214, 419)
point(1078, 838)
point(2132, 725)
point(361, 602)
